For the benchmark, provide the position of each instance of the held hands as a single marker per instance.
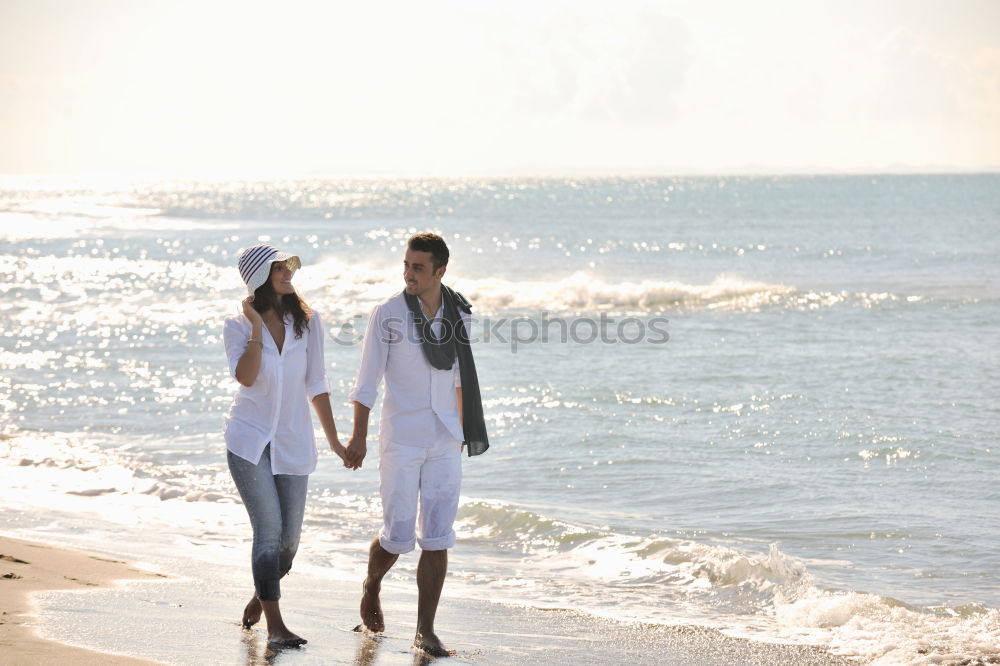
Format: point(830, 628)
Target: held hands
point(250, 313)
point(341, 452)
point(355, 453)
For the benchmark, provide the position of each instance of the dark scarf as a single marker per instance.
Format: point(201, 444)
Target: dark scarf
point(441, 354)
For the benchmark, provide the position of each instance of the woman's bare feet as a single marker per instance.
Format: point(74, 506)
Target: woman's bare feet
point(251, 614)
point(371, 608)
point(278, 635)
point(431, 644)
point(284, 638)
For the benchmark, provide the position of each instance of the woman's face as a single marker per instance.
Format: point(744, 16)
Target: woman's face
point(281, 278)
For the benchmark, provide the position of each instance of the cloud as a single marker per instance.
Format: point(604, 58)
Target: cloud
point(602, 65)
point(916, 84)
point(453, 86)
point(949, 100)
point(981, 103)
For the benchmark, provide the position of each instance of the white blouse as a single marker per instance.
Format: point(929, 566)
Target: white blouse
point(275, 409)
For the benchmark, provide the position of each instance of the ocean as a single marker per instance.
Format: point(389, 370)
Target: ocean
point(762, 405)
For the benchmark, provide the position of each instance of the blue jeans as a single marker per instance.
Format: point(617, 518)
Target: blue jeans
point(276, 503)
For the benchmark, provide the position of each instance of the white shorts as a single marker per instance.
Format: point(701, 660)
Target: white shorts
point(432, 475)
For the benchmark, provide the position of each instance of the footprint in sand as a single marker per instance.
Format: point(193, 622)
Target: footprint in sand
point(81, 582)
point(11, 558)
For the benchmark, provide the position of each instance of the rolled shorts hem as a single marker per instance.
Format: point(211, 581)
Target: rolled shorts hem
point(397, 547)
point(437, 543)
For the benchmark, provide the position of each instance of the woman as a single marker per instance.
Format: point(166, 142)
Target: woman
point(275, 350)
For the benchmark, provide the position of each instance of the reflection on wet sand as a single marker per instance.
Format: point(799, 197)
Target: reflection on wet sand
point(421, 658)
point(369, 646)
point(367, 650)
point(257, 656)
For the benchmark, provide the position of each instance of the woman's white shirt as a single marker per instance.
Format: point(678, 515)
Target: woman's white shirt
point(275, 408)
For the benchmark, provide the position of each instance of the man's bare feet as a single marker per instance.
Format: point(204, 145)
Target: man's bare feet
point(371, 608)
point(431, 644)
point(251, 614)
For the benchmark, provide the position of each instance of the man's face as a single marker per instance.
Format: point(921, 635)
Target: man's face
point(419, 273)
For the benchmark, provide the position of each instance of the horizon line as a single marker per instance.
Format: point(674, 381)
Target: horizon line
point(502, 174)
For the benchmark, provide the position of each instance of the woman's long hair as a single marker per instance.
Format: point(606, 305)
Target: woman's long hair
point(265, 298)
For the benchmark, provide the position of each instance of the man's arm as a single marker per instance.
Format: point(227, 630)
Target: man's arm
point(357, 446)
point(374, 356)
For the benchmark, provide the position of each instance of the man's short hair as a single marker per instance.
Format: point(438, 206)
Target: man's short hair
point(430, 243)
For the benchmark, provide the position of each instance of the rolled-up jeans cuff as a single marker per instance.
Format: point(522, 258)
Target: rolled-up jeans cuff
point(268, 590)
point(438, 543)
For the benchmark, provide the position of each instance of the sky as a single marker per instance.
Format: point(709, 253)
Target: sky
point(219, 88)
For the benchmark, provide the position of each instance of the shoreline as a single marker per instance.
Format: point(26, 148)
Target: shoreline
point(81, 598)
point(27, 567)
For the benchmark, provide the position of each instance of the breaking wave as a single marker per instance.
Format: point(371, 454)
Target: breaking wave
point(517, 555)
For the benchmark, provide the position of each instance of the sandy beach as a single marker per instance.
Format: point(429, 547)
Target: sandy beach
point(27, 567)
point(79, 597)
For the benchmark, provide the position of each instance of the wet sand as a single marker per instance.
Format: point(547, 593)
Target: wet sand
point(194, 617)
point(27, 567)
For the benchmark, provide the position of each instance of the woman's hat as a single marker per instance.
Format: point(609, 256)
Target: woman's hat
point(255, 264)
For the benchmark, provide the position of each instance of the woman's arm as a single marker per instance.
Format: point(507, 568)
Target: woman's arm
point(321, 403)
point(318, 388)
point(249, 363)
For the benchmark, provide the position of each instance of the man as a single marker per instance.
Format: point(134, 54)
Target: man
point(418, 341)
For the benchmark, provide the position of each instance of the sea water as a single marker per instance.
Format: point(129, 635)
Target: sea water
point(760, 404)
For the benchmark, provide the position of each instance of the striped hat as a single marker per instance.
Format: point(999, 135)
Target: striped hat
point(255, 264)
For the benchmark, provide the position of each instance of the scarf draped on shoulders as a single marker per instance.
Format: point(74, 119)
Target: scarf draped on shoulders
point(441, 353)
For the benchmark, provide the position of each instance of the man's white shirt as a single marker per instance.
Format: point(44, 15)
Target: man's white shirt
point(417, 395)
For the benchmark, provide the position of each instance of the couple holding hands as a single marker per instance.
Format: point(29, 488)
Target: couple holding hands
point(418, 342)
